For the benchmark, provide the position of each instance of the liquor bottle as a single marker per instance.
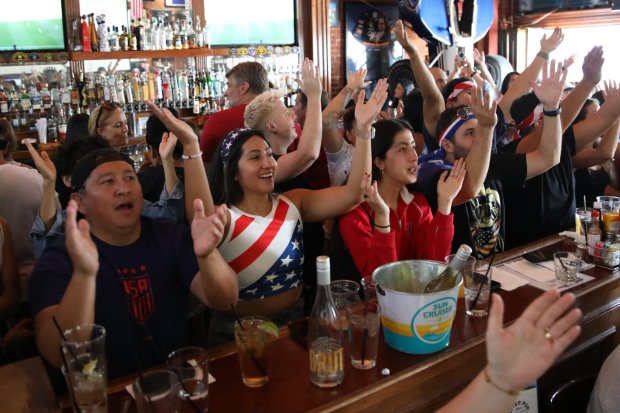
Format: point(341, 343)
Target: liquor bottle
point(52, 127)
point(324, 333)
point(191, 35)
point(447, 278)
point(94, 39)
point(36, 101)
point(62, 123)
point(176, 37)
point(4, 101)
point(15, 116)
point(183, 35)
point(133, 40)
point(85, 35)
point(206, 35)
point(76, 41)
point(198, 33)
point(594, 232)
point(46, 97)
point(24, 100)
point(169, 37)
point(104, 34)
point(123, 39)
point(135, 29)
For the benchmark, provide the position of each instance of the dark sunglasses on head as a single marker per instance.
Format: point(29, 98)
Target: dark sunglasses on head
point(106, 106)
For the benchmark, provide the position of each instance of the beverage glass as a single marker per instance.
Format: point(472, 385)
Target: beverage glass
point(467, 268)
point(344, 292)
point(364, 321)
point(583, 217)
point(478, 289)
point(191, 366)
point(252, 349)
point(85, 369)
point(567, 265)
point(157, 391)
point(609, 203)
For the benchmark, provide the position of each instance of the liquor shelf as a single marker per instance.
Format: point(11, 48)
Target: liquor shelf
point(146, 54)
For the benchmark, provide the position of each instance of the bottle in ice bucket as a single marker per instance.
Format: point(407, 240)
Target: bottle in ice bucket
point(324, 333)
point(447, 279)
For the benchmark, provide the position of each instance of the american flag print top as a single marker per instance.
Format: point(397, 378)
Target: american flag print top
point(265, 252)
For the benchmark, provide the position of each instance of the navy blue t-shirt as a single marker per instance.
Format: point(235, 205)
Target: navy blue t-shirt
point(546, 204)
point(142, 292)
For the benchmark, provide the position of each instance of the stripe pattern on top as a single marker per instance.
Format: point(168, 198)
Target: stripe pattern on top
point(265, 252)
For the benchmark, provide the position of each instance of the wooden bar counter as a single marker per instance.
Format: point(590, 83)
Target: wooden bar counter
point(417, 383)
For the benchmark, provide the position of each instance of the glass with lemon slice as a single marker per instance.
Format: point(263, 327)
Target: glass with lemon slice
point(86, 369)
point(252, 338)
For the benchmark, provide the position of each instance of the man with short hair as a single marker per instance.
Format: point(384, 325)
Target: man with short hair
point(244, 82)
point(129, 273)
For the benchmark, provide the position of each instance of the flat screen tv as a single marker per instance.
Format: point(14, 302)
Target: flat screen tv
point(251, 22)
point(32, 25)
point(533, 6)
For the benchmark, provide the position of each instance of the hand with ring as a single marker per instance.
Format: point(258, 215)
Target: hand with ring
point(521, 353)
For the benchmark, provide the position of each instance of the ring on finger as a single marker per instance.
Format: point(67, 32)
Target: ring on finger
point(548, 336)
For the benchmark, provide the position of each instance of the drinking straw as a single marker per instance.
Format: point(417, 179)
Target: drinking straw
point(256, 363)
point(64, 362)
point(365, 336)
point(473, 303)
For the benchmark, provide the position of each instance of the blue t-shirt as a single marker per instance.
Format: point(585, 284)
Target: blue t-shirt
point(142, 292)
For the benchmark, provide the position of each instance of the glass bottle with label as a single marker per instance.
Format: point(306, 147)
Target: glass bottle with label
point(324, 333)
point(4, 101)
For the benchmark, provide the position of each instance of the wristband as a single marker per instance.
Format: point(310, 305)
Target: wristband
point(552, 113)
point(382, 226)
point(194, 156)
point(364, 134)
point(542, 54)
point(510, 392)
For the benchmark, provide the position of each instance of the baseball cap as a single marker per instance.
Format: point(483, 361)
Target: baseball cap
point(87, 163)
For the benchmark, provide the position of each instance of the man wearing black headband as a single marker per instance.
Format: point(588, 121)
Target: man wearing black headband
point(129, 273)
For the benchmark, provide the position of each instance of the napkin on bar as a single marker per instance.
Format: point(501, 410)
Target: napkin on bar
point(509, 280)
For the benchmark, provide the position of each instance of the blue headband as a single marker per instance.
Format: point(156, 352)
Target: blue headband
point(228, 142)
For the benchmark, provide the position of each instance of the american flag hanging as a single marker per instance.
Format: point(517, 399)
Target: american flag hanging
point(136, 9)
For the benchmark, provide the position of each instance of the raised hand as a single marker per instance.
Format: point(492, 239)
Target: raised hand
point(611, 88)
point(401, 34)
point(80, 246)
point(207, 232)
point(593, 65)
point(522, 352)
point(365, 113)
point(374, 199)
point(568, 61)
point(450, 182)
point(355, 80)
point(309, 83)
point(479, 56)
point(547, 45)
point(181, 130)
point(549, 92)
point(483, 107)
point(44, 164)
point(166, 146)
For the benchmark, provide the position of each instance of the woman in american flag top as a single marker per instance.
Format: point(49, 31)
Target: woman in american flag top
point(262, 239)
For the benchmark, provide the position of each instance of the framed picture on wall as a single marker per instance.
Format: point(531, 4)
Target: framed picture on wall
point(369, 41)
point(175, 3)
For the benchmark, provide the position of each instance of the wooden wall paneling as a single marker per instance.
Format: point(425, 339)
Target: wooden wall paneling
point(315, 37)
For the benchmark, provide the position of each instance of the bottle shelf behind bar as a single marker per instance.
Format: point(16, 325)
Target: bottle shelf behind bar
point(147, 54)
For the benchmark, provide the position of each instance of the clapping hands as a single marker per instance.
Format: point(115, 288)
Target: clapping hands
point(207, 232)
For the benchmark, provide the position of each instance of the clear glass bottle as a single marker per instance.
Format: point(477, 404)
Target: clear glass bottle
point(447, 279)
point(4, 101)
point(324, 333)
point(594, 233)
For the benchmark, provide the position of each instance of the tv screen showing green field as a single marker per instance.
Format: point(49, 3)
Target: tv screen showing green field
point(250, 22)
point(32, 25)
